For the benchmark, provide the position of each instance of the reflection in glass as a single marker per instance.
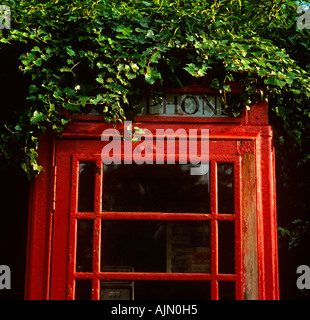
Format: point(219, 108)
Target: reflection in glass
point(84, 245)
point(155, 188)
point(155, 290)
point(156, 246)
point(83, 289)
point(86, 187)
point(225, 177)
point(226, 246)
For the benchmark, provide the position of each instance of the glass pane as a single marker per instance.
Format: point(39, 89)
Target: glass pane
point(155, 188)
point(83, 289)
point(226, 245)
point(156, 246)
point(226, 290)
point(84, 245)
point(155, 290)
point(225, 176)
point(86, 187)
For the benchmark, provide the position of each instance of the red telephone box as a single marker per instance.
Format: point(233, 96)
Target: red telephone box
point(151, 230)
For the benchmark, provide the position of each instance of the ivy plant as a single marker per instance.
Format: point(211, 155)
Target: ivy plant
point(80, 55)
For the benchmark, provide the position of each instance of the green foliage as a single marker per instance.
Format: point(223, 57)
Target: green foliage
point(83, 54)
point(295, 232)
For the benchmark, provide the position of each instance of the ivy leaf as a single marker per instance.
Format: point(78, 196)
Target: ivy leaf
point(97, 99)
point(64, 121)
point(284, 232)
point(3, 40)
point(72, 18)
point(70, 51)
point(71, 107)
point(38, 62)
point(65, 69)
point(150, 34)
point(283, 112)
point(83, 100)
point(275, 81)
point(100, 79)
point(126, 31)
point(147, 4)
point(191, 68)
point(33, 89)
point(155, 57)
point(18, 127)
point(37, 116)
point(152, 75)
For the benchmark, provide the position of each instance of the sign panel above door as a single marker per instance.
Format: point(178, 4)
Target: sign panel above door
point(181, 105)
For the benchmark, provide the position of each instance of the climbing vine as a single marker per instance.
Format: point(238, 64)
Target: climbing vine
point(83, 55)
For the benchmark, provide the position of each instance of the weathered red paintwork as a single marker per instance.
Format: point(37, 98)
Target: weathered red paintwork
point(50, 271)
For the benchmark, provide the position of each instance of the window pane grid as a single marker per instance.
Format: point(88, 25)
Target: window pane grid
point(214, 277)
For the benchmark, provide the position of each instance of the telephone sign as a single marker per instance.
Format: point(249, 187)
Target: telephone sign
point(184, 105)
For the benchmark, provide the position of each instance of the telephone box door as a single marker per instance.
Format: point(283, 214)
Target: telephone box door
point(155, 231)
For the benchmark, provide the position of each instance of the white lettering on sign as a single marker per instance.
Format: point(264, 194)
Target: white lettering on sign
point(181, 105)
point(5, 17)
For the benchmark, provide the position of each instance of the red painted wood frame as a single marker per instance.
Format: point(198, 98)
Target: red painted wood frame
point(97, 216)
point(50, 270)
